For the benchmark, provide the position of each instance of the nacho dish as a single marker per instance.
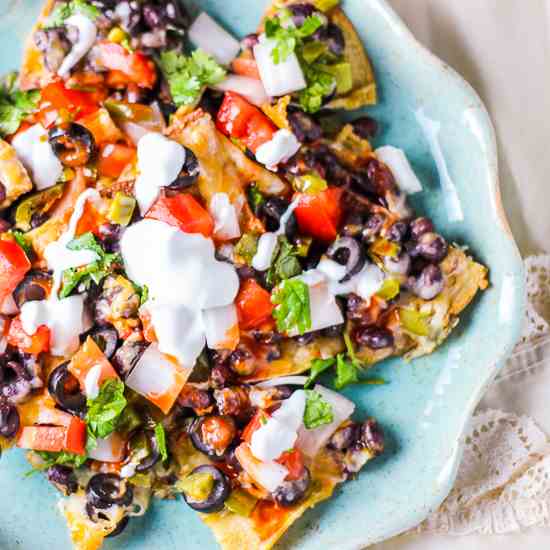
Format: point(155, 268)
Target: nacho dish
point(197, 254)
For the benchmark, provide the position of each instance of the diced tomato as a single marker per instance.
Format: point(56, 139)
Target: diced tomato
point(87, 357)
point(268, 517)
point(246, 66)
point(90, 221)
point(254, 306)
point(293, 461)
point(75, 440)
point(256, 423)
point(320, 215)
point(114, 158)
point(148, 329)
point(33, 344)
point(43, 438)
point(184, 212)
point(135, 66)
point(77, 103)
point(240, 120)
point(102, 127)
point(13, 266)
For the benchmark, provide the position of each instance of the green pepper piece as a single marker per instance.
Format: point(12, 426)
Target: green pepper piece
point(312, 51)
point(38, 203)
point(129, 420)
point(197, 486)
point(390, 289)
point(241, 502)
point(342, 74)
point(414, 321)
point(326, 5)
point(312, 184)
point(122, 209)
point(247, 247)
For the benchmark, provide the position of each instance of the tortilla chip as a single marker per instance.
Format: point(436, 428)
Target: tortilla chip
point(13, 175)
point(364, 91)
point(224, 167)
point(34, 74)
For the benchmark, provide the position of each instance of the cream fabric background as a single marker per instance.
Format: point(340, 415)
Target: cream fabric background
point(502, 47)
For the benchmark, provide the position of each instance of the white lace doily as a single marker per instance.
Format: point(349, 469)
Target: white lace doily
point(503, 483)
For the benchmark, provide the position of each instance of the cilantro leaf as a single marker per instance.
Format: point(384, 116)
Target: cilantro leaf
point(63, 458)
point(287, 36)
point(346, 372)
point(23, 242)
point(105, 410)
point(318, 411)
point(63, 11)
point(160, 436)
point(285, 264)
point(188, 75)
point(255, 198)
point(318, 366)
point(15, 105)
point(292, 312)
point(93, 272)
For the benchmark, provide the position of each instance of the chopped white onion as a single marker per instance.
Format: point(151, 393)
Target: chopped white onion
point(134, 131)
point(283, 381)
point(110, 449)
point(369, 281)
point(398, 163)
point(279, 79)
point(219, 324)
point(225, 217)
point(208, 35)
point(333, 270)
point(311, 441)
point(251, 89)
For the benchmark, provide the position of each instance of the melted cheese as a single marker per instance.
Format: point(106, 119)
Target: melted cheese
point(36, 154)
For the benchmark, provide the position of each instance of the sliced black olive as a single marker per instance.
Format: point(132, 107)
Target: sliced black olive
point(274, 209)
point(106, 337)
point(16, 382)
point(347, 251)
point(290, 493)
point(35, 286)
point(219, 492)
point(213, 435)
point(189, 173)
point(9, 420)
point(65, 389)
point(121, 525)
point(73, 144)
point(33, 210)
point(104, 490)
point(154, 453)
point(63, 479)
point(127, 356)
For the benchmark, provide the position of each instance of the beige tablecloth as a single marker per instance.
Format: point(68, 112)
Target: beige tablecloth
point(502, 47)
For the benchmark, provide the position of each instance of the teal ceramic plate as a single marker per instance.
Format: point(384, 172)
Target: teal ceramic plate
point(434, 115)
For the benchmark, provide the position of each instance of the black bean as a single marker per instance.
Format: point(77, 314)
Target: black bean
point(63, 478)
point(344, 438)
point(127, 356)
point(372, 436)
point(242, 362)
point(9, 420)
point(221, 376)
point(38, 219)
point(4, 225)
point(365, 127)
point(380, 177)
point(300, 12)
point(2, 192)
point(304, 127)
point(429, 284)
point(152, 15)
point(432, 247)
point(375, 338)
point(373, 227)
point(290, 493)
point(421, 226)
point(398, 231)
point(333, 36)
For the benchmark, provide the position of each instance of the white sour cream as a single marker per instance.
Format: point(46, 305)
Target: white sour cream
point(225, 216)
point(35, 152)
point(87, 33)
point(184, 279)
point(282, 146)
point(160, 161)
point(280, 432)
point(268, 241)
point(64, 318)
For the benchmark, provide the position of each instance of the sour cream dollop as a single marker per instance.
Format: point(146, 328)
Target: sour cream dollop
point(87, 33)
point(160, 161)
point(184, 279)
point(35, 152)
point(282, 146)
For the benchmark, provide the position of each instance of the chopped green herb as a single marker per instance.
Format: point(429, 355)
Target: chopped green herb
point(63, 458)
point(320, 84)
point(346, 372)
point(342, 74)
point(312, 51)
point(292, 312)
point(94, 272)
point(285, 264)
point(63, 11)
point(318, 411)
point(160, 436)
point(15, 105)
point(188, 75)
point(287, 36)
point(104, 411)
point(318, 366)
